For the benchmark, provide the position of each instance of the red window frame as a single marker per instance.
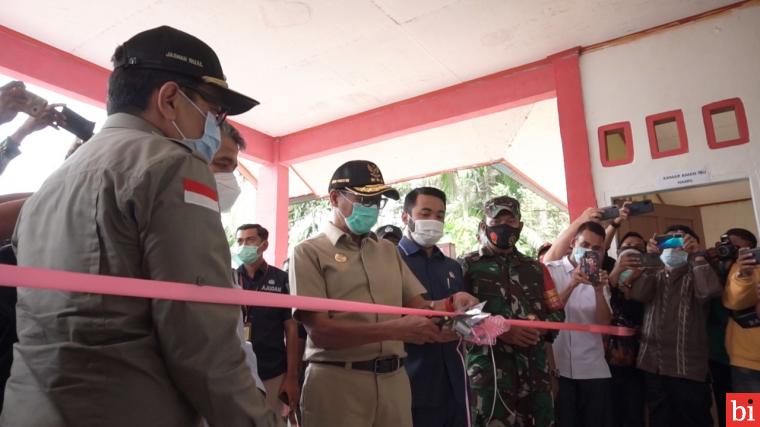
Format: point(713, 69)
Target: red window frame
point(741, 121)
point(627, 136)
point(677, 115)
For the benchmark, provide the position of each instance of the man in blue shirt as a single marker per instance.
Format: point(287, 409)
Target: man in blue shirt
point(436, 371)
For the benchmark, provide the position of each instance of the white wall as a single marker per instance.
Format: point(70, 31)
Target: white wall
point(717, 219)
point(681, 68)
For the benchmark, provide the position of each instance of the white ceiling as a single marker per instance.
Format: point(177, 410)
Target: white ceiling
point(698, 196)
point(310, 62)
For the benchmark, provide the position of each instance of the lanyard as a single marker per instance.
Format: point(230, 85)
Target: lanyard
point(256, 286)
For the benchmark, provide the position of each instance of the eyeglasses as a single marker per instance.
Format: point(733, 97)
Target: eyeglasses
point(219, 113)
point(367, 202)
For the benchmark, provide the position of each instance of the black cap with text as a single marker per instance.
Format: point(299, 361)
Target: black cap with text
point(169, 49)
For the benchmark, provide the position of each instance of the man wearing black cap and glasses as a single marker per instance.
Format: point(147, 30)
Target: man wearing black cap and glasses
point(138, 200)
point(355, 375)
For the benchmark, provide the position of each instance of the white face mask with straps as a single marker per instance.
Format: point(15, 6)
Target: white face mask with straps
point(228, 189)
point(425, 232)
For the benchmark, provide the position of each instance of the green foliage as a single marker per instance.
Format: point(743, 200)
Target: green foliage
point(466, 191)
point(304, 219)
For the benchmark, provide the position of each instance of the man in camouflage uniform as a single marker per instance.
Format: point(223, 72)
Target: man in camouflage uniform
point(514, 286)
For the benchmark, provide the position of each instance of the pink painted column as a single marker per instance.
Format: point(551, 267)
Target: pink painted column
point(572, 127)
point(272, 208)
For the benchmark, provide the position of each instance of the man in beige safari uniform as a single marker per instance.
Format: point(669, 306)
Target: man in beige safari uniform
point(355, 376)
point(138, 200)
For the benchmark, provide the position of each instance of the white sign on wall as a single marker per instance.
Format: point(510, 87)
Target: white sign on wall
point(685, 178)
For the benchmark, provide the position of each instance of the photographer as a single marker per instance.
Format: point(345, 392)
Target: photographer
point(674, 350)
point(621, 352)
point(740, 295)
point(13, 99)
point(722, 257)
point(585, 386)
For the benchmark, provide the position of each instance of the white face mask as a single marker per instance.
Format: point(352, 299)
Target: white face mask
point(427, 232)
point(674, 258)
point(228, 188)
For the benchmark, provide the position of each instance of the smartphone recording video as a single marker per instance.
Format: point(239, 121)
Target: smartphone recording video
point(610, 212)
point(640, 208)
point(651, 261)
point(669, 241)
point(590, 266)
point(755, 253)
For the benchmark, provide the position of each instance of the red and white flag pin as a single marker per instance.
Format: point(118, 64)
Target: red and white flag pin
point(201, 195)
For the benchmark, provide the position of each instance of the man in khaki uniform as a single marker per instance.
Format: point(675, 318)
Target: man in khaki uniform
point(355, 376)
point(138, 200)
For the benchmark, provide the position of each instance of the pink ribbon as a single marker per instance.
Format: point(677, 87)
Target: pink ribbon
point(56, 280)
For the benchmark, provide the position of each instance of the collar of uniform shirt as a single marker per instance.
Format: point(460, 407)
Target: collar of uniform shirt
point(410, 247)
point(334, 234)
point(485, 251)
point(262, 269)
point(129, 121)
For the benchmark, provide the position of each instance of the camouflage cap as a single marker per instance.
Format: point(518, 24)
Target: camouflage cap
point(494, 206)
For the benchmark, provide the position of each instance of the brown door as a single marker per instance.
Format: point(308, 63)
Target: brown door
point(662, 217)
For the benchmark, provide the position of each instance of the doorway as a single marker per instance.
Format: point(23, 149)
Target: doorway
point(709, 210)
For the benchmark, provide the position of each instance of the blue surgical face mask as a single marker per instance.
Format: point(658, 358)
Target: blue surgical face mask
point(578, 253)
point(362, 218)
point(674, 258)
point(208, 144)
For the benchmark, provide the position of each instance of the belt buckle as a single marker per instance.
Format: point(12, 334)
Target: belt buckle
point(381, 360)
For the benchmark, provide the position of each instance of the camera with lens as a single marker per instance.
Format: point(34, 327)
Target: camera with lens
point(725, 249)
point(77, 125)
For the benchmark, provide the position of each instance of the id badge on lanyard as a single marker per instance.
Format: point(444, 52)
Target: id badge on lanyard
point(247, 329)
point(244, 309)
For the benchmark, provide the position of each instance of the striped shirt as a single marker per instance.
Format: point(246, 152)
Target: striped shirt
point(674, 331)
